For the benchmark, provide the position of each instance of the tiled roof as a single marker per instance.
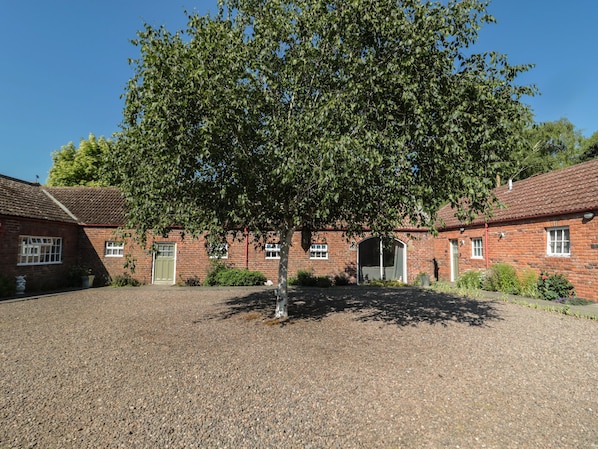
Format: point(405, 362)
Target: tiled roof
point(568, 190)
point(24, 199)
point(92, 205)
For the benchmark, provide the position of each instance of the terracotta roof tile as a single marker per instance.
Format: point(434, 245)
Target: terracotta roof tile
point(24, 199)
point(568, 190)
point(92, 205)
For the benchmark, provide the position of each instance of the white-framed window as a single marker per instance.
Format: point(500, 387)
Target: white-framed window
point(114, 249)
point(558, 242)
point(218, 250)
point(318, 251)
point(477, 248)
point(39, 250)
point(272, 250)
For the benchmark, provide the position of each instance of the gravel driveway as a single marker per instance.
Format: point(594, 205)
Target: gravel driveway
point(175, 367)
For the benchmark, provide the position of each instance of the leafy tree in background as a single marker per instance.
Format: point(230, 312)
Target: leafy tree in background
point(549, 146)
point(589, 148)
point(285, 115)
point(83, 166)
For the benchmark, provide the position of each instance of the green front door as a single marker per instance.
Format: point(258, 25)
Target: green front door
point(164, 263)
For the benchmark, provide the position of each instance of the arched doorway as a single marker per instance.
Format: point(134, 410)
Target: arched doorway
point(384, 259)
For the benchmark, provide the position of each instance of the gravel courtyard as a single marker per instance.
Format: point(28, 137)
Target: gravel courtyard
point(176, 367)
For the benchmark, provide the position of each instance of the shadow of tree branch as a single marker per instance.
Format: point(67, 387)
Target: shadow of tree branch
point(404, 306)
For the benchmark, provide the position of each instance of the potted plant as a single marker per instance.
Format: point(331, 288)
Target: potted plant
point(80, 275)
point(423, 279)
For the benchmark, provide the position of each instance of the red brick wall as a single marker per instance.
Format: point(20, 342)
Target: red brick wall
point(38, 277)
point(524, 246)
point(192, 258)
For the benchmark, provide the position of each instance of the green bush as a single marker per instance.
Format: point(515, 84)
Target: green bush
point(502, 277)
point(304, 278)
point(216, 266)
point(323, 282)
point(192, 281)
point(528, 280)
point(125, 280)
point(554, 286)
point(7, 286)
point(470, 279)
point(239, 277)
point(341, 279)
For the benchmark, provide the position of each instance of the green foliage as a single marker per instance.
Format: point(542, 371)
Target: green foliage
point(304, 278)
point(222, 274)
point(341, 280)
point(216, 266)
point(338, 105)
point(74, 274)
point(471, 279)
point(502, 277)
point(192, 281)
point(239, 277)
point(124, 280)
point(7, 286)
point(528, 281)
point(553, 287)
point(83, 166)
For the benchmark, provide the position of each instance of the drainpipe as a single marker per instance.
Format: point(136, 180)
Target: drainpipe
point(486, 245)
point(246, 249)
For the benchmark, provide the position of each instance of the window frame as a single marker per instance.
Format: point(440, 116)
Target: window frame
point(218, 250)
point(318, 251)
point(39, 250)
point(477, 243)
point(114, 249)
point(273, 249)
point(553, 242)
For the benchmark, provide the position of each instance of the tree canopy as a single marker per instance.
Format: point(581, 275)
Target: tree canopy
point(282, 115)
point(83, 166)
point(548, 146)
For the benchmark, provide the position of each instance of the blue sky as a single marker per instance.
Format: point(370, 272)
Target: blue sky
point(63, 66)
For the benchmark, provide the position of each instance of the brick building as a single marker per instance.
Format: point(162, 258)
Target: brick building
point(547, 223)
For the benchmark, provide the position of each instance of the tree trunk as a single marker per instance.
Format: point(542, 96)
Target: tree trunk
point(282, 295)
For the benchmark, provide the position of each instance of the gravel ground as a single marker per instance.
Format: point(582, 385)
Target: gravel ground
point(175, 367)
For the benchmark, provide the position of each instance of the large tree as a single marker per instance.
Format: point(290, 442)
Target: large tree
point(83, 166)
point(548, 146)
point(280, 115)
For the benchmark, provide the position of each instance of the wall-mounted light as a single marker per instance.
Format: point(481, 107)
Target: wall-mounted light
point(501, 235)
point(588, 215)
point(461, 230)
point(462, 242)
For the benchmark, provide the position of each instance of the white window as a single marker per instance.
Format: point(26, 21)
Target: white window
point(114, 249)
point(218, 250)
point(272, 250)
point(318, 251)
point(39, 250)
point(477, 251)
point(558, 243)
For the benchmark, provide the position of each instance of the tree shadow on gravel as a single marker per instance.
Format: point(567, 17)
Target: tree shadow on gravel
point(399, 306)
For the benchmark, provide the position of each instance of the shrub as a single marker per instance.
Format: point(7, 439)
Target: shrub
point(215, 267)
point(239, 277)
point(341, 279)
point(125, 280)
point(7, 286)
point(554, 286)
point(304, 278)
point(528, 280)
point(470, 279)
point(502, 277)
point(192, 281)
point(323, 282)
